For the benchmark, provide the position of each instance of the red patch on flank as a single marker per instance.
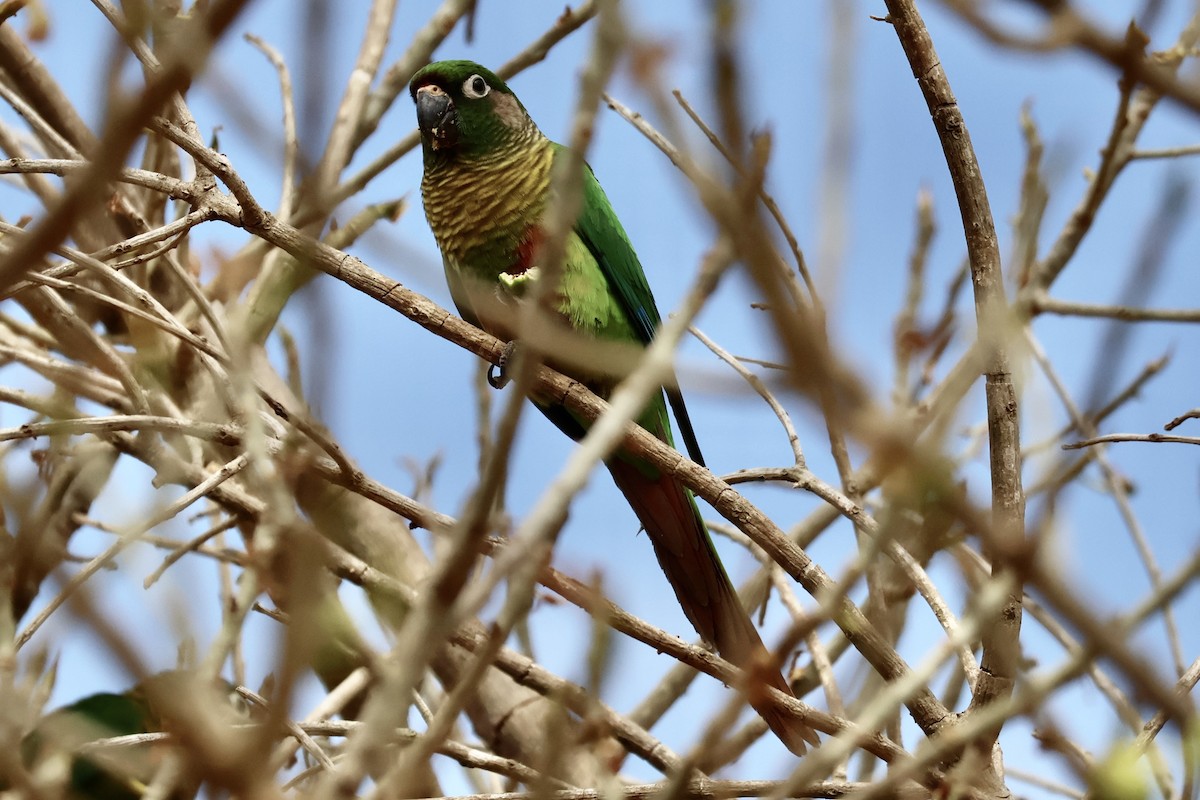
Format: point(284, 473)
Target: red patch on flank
point(528, 250)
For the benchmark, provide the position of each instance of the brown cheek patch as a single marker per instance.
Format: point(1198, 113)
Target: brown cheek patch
point(508, 110)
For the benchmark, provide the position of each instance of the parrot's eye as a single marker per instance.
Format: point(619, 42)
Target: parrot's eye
point(475, 87)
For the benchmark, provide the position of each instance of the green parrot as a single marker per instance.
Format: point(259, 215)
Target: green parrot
point(124, 772)
point(487, 190)
point(109, 774)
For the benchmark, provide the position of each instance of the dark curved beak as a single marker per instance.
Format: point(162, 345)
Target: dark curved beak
point(437, 117)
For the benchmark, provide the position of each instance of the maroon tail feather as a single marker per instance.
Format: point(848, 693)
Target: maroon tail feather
point(687, 556)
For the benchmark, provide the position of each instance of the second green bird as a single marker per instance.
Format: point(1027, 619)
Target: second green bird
point(487, 191)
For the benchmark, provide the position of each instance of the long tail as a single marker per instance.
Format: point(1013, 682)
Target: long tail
point(686, 554)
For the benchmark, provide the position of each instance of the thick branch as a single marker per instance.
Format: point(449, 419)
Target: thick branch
point(1001, 650)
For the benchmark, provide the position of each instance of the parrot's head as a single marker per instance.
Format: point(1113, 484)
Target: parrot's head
point(465, 111)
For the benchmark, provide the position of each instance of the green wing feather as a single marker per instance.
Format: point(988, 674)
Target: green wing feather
point(110, 775)
point(120, 773)
point(601, 232)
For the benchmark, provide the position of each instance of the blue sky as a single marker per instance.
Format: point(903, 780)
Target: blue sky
point(394, 392)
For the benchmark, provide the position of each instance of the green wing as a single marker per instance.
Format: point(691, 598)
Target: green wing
point(117, 774)
point(606, 240)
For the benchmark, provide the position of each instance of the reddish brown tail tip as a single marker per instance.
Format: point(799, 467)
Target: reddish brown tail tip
point(795, 735)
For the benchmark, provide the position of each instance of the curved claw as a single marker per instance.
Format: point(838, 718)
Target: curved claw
point(497, 374)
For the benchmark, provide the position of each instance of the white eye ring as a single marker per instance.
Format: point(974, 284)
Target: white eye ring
point(475, 87)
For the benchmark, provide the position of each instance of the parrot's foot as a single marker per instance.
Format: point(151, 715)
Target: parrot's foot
point(518, 283)
point(497, 375)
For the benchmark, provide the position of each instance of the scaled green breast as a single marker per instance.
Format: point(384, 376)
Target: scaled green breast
point(479, 210)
